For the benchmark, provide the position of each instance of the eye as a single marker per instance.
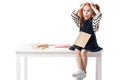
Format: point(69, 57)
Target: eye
point(84, 10)
point(88, 10)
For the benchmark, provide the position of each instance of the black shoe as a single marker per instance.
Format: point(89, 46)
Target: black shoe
point(72, 47)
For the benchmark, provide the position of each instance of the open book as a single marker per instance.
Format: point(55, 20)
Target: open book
point(82, 39)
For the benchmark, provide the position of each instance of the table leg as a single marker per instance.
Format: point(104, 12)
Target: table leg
point(18, 73)
point(98, 68)
point(25, 69)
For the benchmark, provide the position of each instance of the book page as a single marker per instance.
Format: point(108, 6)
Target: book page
point(82, 39)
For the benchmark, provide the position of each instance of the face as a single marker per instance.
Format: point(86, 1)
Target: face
point(87, 12)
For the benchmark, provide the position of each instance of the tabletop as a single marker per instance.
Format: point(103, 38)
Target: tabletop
point(26, 49)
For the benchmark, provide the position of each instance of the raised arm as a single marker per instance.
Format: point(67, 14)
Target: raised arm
point(75, 16)
point(94, 8)
point(96, 18)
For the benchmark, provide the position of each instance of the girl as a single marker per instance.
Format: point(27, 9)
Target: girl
point(87, 18)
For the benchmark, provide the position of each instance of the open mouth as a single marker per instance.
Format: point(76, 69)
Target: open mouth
point(86, 16)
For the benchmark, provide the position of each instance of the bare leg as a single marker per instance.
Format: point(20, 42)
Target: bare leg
point(84, 59)
point(79, 59)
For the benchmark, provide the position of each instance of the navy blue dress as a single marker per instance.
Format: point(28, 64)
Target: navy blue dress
point(92, 43)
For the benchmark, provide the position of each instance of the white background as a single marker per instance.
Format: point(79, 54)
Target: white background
point(49, 21)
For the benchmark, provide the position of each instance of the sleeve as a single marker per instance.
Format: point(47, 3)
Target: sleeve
point(76, 18)
point(96, 21)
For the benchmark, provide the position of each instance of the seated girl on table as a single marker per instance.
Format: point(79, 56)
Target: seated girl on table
point(87, 18)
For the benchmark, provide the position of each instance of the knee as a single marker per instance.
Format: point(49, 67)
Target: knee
point(77, 52)
point(83, 53)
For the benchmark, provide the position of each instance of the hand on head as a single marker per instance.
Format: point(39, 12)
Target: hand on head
point(92, 4)
point(81, 6)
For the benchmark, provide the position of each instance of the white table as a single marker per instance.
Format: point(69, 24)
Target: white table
point(26, 51)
